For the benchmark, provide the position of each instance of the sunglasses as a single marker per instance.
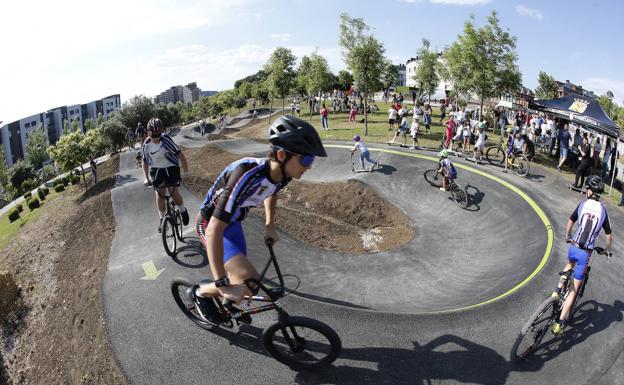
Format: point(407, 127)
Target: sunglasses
point(304, 160)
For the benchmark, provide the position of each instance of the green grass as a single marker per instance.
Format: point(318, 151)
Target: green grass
point(9, 230)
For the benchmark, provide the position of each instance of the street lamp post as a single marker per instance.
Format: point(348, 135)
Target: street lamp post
point(610, 97)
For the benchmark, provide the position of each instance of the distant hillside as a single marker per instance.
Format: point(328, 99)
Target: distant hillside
point(207, 93)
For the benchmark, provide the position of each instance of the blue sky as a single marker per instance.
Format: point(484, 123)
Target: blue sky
point(69, 51)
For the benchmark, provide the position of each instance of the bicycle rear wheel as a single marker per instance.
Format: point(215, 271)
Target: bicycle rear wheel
point(179, 290)
point(433, 178)
point(535, 329)
point(178, 220)
point(459, 195)
point(495, 155)
point(168, 233)
point(520, 165)
point(302, 343)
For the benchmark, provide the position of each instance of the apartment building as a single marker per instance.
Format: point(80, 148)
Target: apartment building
point(186, 94)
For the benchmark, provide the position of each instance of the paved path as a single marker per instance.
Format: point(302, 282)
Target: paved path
point(378, 302)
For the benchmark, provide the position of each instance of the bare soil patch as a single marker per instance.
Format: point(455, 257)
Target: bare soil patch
point(58, 262)
point(343, 216)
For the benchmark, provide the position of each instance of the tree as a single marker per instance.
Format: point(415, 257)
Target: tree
point(89, 124)
point(20, 172)
point(93, 143)
point(70, 152)
point(345, 79)
point(546, 86)
point(483, 60)
point(244, 91)
point(316, 76)
point(4, 169)
point(37, 148)
point(364, 56)
point(389, 75)
point(139, 108)
point(113, 133)
point(301, 79)
point(280, 67)
point(427, 72)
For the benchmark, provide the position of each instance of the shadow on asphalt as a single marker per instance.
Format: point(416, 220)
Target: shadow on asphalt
point(589, 318)
point(474, 196)
point(124, 179)
point(385, 169)
point(191, 254)
point(534, 177)
point(447, 357)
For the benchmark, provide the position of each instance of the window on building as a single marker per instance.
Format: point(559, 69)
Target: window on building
point(27, 125)
point(33, 123)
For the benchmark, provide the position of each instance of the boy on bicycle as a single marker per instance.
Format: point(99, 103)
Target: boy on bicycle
point(244, 184)
point(592, 217)
point(446, 168)
point(162, 159)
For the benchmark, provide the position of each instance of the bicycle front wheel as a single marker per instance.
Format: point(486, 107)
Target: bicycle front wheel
point(459, 195)
point(168, 233)
point(520, 165)
point(495, 155)
point(302, 343)
point(433, 178)
point(535, 329)
point(179, 290)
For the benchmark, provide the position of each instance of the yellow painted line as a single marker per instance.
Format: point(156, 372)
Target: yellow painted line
point(538, 210)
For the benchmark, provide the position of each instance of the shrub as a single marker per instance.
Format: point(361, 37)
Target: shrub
point(65, 181)
point(75, 180)
point(46, 190)
point(57, 182)
point(19, 208)
point(41, 194)
point(28, 185)
point(13, 215)
point(33, 203)
point(27, 196)
point(59, 187)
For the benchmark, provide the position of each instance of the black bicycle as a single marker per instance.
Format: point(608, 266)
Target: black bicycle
point(548, 312)
point(458, 193)
point(518, 162)
point(299, 342)
point(171, 223)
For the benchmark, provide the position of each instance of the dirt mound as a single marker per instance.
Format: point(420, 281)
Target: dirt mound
point(9, 300)
point(59, 261)
point(367, 222)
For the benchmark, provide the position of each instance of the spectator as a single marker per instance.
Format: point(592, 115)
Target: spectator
point(352, 113)
point(392, 114)
point(324, 113)
point(564, 143)
point(606, 158)
point(577, 141)
point(502, 123)
point(93, 164)
point(442, 112)
point(584, 151)
point(427, 117)
point(596, 154)
point(554, 134)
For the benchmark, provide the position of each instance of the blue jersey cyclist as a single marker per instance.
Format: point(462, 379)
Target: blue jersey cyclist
point(247, 183)
point(162, 158)
point(446, 168)
point(592, 217)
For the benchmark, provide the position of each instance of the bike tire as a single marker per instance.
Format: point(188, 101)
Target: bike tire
point(179, 227)
point(307, 353)
point(495, 155)
point(535, 329)
point(433, 178)
point(520, 165)
point(169, 237)
point(179, 287)
point(459, 195)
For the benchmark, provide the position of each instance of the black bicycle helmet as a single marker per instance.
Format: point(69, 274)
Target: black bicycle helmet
point(155, 124)
point(595, 183)
point(296, 136)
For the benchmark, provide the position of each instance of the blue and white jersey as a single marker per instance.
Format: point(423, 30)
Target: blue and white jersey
point(243, 184)
point(448, 166)
point(591, 216)
point(161, 155)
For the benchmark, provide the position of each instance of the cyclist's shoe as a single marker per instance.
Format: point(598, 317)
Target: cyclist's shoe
point(244, 319)
point(159, 228)
point(557, 329)
point(185, 217)
point(442, 189)
point(205, 307)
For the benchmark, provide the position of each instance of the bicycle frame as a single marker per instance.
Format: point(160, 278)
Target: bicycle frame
point(273, 294)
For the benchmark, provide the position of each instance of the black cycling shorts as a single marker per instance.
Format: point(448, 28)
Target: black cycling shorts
point(169, 176)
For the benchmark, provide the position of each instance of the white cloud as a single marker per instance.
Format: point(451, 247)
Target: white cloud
point(460, 2)
point(282, 36)
point(529, 12)
point(600, 86)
